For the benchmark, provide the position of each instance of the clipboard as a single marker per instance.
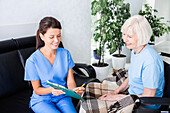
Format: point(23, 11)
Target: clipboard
point(67, 91)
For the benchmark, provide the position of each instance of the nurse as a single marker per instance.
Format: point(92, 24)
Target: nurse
point(146, 71)
point(49, 62)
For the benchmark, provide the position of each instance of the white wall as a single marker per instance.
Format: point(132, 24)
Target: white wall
point(150, 2)
point(20, 17)
point(17, 30)
point(163, 11)
point(135, 5)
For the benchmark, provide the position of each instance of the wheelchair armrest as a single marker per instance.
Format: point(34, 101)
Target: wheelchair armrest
point(155, 100)
point(88, 68)
point(165, 54)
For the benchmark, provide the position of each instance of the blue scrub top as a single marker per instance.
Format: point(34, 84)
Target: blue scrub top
point(39, 68)
point(146, 70)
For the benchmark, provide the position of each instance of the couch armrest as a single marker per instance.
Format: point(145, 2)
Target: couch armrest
point(88, 68)
point(155, 100)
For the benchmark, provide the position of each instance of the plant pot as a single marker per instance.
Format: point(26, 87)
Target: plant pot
point(94, 54)
point(101, 72)
point(152, 44)
point(118, 62)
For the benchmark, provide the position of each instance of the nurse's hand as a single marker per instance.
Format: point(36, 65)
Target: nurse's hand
point(79, 90)
point(57, 92)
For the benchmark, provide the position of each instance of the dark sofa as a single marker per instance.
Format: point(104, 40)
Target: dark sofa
point(15, 93)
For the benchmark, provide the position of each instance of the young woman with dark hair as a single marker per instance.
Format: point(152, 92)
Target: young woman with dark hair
point(49, 62)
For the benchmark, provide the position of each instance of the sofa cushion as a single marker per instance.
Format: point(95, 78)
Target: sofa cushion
point(25, 42)
point(11, 74)
point(25, 54)
point(7, 46)
point(16, 103)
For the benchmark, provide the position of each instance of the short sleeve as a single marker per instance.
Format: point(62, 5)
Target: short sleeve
point(70, 60)
point(151, 76)
point(30, 71)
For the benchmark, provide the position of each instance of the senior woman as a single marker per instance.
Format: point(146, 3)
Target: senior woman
point(146, 71)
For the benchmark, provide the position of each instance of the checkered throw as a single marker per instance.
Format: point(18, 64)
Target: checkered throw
point(95, 90)
point(120, 76)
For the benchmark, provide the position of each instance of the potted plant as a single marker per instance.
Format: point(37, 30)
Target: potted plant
point(120, 12)
point(101, 8)
point(95, 54)
point(158, 27)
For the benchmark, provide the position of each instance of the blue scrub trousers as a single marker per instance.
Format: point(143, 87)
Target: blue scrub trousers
point(64, 105)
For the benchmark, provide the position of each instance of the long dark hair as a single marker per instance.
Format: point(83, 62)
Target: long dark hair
point(45, 23)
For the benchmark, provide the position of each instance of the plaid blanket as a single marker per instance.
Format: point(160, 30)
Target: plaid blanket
point(117, 78)
point(95, 90)
point(120, 76)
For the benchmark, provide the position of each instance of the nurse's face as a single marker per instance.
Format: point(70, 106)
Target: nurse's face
point(52, 38)
point(130, 38)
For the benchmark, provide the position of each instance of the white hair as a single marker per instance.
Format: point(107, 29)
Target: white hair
point(140, 26)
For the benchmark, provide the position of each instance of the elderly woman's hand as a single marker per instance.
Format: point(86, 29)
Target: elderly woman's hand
point(110, 93)
point(112, 97)
point(57, 92)
point(79, 90)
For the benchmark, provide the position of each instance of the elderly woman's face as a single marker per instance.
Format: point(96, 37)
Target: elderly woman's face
point(130, 38)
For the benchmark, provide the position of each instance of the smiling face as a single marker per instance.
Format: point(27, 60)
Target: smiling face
point(136, 32)
point(51, 38)
point(130, 38)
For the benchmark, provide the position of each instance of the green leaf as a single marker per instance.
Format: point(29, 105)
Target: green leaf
point(97, 21)
point(155, 10)
point(114, 26)
point(110, 33)
point(104, 37)
point(97, 36)
point(95, 8)
point(103, 3)
point(119, 2)
point(104, 19)
point(113, 48)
